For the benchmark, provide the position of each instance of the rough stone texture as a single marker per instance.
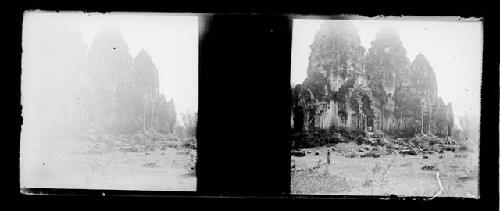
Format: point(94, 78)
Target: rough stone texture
point(386, 69)
point(335, 70)
point(382, 90)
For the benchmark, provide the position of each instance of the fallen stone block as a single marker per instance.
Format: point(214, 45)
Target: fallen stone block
point(408, 152)
point(299, 153)
point(430, 168)
point(150, 165)
point(370, 154)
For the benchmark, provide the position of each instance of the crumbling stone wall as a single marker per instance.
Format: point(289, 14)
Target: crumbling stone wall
point(382, 90)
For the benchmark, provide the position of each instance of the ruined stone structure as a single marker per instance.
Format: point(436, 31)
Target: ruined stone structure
point(348, 89)
point(102, 87)
point(127, 88)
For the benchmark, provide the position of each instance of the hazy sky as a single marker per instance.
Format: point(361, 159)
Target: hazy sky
point(454, 50)
point(171, 41)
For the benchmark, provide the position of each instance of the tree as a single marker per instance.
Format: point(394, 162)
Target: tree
point(189, 121)
point(469, 127)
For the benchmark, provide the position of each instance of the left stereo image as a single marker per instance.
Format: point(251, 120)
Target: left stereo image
point(109, 101)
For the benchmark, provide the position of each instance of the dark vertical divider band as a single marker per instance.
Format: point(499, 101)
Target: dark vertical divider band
point(244, 101)
point(489, 148)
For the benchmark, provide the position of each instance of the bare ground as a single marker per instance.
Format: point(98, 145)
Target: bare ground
point(389, 174)
point(71, 165)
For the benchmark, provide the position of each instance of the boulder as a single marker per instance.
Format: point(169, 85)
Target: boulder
point(408, 152)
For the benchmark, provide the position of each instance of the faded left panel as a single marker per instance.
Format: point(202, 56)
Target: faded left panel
point(109, 101)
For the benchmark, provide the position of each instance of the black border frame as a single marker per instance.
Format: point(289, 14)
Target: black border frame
point(257, 39)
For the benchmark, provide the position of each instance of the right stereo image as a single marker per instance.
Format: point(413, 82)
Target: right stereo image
point(386, 106)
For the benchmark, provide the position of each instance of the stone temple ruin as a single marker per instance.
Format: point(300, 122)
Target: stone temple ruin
point(349, 89)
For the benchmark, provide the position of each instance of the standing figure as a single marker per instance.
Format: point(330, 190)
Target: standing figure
point(328, 157)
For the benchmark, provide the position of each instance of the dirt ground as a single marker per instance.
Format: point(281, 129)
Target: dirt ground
point(389, 174)
point(70, 165)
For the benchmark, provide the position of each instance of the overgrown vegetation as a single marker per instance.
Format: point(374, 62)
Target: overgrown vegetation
point(380, 90)
point(318, 181)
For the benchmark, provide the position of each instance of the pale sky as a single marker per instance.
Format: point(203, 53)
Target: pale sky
point(453, 48)
point(170, 39)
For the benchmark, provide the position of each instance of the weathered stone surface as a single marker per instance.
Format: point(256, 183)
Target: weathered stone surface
point(335, 70)
point(387, 69)
point(382, 91)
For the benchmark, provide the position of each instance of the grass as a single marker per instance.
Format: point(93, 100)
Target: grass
point(379, 175)
point(313, 181)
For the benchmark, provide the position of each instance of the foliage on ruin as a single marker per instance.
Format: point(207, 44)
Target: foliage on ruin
point(335, 53)
point(383, 84)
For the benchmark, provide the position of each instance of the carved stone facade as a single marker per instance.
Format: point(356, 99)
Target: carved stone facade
point(346, 89)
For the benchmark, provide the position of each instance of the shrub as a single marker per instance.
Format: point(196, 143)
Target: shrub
point(463, 148)
point(191, 163)
point(189, 143)
point(367, 183)
point(170, 144)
